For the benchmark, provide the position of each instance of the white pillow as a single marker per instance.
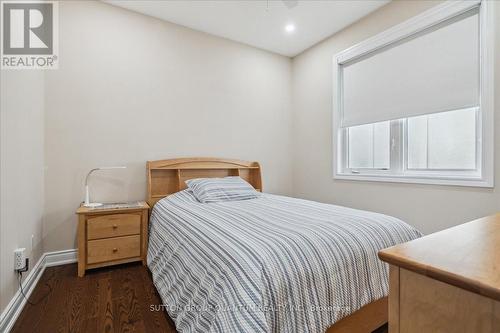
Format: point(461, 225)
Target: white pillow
point(208, 190)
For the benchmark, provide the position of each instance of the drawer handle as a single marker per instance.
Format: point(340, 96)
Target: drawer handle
point(115, 249)
point(115, 226)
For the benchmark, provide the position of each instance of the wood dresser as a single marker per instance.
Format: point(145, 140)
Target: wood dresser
point(448, 281)
point(111, 236)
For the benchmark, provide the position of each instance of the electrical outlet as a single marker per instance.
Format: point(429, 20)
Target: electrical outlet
point(32, 241)
point(19, 259)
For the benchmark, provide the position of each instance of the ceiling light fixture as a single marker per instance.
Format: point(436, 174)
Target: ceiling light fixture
point(290, 28)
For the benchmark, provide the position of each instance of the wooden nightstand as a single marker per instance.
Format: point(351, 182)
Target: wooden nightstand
point(111, 236)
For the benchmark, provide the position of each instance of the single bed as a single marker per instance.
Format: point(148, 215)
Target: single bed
point(270, 264)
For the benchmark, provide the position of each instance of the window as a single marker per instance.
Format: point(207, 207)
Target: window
point(415, 103)
point(444, 143)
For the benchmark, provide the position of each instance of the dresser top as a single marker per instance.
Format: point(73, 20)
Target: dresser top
point(466, 256)
point(136, 205)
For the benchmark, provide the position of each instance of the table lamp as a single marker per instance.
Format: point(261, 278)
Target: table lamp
point(87, 194)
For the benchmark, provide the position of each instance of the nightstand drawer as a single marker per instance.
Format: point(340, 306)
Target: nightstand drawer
point(113, 225)
point(110, 249)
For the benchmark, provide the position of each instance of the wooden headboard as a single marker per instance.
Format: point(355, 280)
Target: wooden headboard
point(168, 176)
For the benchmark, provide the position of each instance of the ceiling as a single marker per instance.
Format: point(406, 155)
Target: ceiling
point(260, 23)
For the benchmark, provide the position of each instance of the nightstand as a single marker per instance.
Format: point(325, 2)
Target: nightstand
point(111, 236)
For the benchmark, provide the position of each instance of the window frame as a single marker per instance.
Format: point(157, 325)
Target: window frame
point(483, 176)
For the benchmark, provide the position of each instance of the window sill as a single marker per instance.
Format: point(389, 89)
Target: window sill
point(471, 182)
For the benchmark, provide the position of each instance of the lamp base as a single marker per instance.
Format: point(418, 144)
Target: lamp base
point(93, 204)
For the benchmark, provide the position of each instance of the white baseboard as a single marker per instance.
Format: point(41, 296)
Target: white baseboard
point(17, 303)
point(60, 257)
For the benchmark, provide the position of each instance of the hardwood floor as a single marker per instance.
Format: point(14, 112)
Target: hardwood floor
point(112, 299)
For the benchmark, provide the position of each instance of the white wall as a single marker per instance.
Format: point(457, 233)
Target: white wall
point(430, 208)
point(131, 88)
point(21, 171)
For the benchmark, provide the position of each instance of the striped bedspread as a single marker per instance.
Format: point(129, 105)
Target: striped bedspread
point(271, 264)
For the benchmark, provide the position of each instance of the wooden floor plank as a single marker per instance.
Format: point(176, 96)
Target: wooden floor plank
point(46, 293)
point(126, 305)
point(105, 318)
point(114, 299)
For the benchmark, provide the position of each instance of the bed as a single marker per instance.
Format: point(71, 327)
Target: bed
point(270, 264)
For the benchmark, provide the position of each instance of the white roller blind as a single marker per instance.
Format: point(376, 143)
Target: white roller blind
point(434, 72)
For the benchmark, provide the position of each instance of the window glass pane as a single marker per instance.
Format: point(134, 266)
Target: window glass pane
point(417, 142)
point(452, 140)
point(369, 146)
point(381, 145)
point(361, 146)
point(444, 140)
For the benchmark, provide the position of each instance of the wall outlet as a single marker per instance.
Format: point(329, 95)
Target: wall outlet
point(32, 242)
point(19, 259)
